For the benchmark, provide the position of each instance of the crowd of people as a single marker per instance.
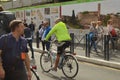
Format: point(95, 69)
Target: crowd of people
point(14, 58)
point(97, 32)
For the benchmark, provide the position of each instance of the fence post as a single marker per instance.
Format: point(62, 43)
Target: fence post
point(72, 43)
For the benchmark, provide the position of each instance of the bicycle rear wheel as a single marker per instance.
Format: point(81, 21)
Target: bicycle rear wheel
point(45, 62)
point(34, 75)
point(70, 66)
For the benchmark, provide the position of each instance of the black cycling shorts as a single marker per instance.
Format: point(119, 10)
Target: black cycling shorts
point(62, 48)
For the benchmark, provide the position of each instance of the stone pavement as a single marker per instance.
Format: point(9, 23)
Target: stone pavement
point(94, 58)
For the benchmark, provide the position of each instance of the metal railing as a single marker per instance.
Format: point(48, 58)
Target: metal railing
point(109, 44)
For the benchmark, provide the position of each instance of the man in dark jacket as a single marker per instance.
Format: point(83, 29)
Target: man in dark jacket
point(28, 36)
point(32, 28)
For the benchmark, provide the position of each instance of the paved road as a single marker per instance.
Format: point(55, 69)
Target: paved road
point(87, 71)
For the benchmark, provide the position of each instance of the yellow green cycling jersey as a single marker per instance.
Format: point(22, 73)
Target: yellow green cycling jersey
point(61, 32)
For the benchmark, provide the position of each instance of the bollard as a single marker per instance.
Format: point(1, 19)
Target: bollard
point(86, 50)
point(72, 43)
point(37, 39)
point(107, 48)
point(105, 41)
point(88, 55)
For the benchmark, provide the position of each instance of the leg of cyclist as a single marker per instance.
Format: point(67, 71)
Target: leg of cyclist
point(60, 51)
point(56, 62)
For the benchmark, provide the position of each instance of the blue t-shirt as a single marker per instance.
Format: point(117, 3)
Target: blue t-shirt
point(46, 31)
point(12, 50)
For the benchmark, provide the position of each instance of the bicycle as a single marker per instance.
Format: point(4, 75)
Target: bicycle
point(33, 69)
point(65, 63)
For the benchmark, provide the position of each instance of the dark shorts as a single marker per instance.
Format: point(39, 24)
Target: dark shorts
point(16, 75)
point(62, 48)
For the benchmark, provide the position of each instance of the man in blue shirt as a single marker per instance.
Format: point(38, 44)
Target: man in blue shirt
point(13, 65)
point(46, 31)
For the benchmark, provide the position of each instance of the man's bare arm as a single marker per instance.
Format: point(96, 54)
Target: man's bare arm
point(27, 62)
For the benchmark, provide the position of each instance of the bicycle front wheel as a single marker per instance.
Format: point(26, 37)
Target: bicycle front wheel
point(70, 66)
point(34, 75)
point(45, 62)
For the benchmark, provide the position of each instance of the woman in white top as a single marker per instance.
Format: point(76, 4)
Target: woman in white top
point(109, 30)
point(100, 31)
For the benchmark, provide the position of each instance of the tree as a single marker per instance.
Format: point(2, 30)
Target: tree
point(73, 14)
point(73, 17)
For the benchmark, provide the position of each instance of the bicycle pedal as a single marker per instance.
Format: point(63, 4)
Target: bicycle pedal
point(53, 69)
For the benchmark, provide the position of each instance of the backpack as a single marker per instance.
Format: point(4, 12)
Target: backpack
point(113, 33)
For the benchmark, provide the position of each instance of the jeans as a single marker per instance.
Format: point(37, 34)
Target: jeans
point(46, 44)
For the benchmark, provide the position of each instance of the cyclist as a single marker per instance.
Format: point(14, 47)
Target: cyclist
point(61, 32)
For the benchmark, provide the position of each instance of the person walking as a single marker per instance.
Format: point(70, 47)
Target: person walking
point(32, 28)
point(100, 31)
point(14, 60)
point(62, 35)
point(41, 25)
point(111, 33)
point(41, 31)
point(46, 31)
point(28, 36)
point(25, 23)
point(93, 35)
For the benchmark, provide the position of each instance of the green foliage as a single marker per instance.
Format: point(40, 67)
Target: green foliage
point(106, 19)
point(85, 12)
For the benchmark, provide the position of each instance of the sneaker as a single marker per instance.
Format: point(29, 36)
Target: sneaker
point(60, 66)
point(53, 69)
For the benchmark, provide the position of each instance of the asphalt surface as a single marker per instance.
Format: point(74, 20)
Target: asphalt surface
point(87, 71)
point(94, 58)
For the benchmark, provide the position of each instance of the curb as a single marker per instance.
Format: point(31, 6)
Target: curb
point(110, 64)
